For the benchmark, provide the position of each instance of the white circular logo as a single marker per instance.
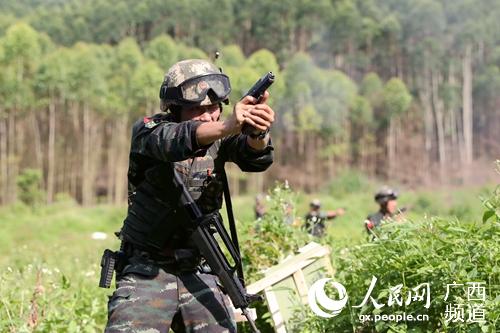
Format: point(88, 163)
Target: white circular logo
point(317, 297)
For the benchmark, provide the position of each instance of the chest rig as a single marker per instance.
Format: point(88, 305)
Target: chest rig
point(154, 220)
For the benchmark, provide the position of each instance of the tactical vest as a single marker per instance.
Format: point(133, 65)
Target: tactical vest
point(154, 220)
point(376, 218)
point(315, 224)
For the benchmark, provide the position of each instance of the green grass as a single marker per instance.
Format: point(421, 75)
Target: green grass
point(50, 267)
point(49, 263)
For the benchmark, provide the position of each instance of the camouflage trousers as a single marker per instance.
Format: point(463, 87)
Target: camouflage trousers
point(189, 302)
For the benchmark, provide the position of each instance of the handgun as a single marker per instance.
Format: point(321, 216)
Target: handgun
point(257, 91)
point(108, 262)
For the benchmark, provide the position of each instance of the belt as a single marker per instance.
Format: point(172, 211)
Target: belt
point(171, 260)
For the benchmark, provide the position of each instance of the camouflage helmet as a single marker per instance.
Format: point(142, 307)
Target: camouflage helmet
point(194, 82)
point(385, 194)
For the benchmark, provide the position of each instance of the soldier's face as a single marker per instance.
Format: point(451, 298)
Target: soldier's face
point(205, 113)
point(392, 206)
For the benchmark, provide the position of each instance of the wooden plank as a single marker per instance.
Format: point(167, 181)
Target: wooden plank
point(291, 268)
point(287, 268)
point(274, 309)
point(301, 285)
point(305, 250)
point(328, 265)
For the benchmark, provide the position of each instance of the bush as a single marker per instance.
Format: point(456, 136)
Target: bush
point(437, 251)
point(29, 182)
point(269, 240)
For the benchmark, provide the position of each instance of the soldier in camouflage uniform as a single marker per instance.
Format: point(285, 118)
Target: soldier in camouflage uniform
point(315, 218)
point(161, 284)
point(387, 200)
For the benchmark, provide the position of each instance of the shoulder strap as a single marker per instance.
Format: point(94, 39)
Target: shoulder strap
point(232, 224)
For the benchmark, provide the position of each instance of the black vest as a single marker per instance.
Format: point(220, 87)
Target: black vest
point(154, 220)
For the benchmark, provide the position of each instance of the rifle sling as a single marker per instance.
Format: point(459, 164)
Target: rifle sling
point(232, 224)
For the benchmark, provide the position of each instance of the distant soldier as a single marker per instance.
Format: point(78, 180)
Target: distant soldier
point(289, 214)
point(260, 207)
point(387, 200)
point(315, 218)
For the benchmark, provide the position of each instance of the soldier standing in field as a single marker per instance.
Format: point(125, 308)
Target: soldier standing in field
point(315, 218)
point(387, 200)
point(161, 284)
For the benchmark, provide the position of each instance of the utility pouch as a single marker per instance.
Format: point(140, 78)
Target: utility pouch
point(108, 262)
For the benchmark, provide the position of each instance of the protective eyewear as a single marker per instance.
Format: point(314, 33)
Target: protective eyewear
point(195, 89)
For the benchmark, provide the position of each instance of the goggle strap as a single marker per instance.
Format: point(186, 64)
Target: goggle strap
point(171, 93)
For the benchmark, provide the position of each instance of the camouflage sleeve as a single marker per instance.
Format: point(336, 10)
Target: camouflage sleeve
point(166, 141)
point(236, 149)
point(324, 216)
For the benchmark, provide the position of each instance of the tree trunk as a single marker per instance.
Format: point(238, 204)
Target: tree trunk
point(12, 158)
point(4, 168)
point(76, 152)
point(439, 119)
point(467, 104)
point(426, 99)
point(51, 152)
point(331, 159)
point(452, 118)
point(121, 166)
point(95, 156)
point(391, 147)
point(381, 163)
point(111, 160)
point(311, 159)
point(86, 183)
point(301, 142)
point(37, 141)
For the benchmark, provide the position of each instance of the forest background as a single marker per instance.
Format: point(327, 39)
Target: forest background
point(399, 90)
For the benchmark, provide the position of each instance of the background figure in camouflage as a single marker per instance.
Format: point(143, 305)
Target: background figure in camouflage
point(161, 283)
point(315, 218)
point(387, 200)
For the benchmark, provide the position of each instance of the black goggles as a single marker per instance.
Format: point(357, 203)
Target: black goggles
point(195, 89)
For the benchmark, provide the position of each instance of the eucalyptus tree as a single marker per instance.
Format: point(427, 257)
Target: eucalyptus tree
point(51, 84)
point(474, 28)
point(21, 52)
point(425, 27)
point(272, 30)
point(162, 49)
point(486, 88)
point(396, 102)
point(333, 94)
point(123, 104)
point(87, 94)
point(344, 28)
point(361, 132)
point(7, 90)
point(263, 61)
point(189, 52)
point(231, 55)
